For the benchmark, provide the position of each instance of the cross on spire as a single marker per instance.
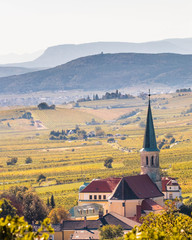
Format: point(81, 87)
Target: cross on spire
point(149, 94)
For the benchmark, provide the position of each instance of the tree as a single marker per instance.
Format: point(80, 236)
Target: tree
point(12, 161)
point(16, 195)
point(28, 202)
point(172, 140)
point(58, 214)
point(13, 201)
point(96, 97)
point(27, 115)
point(52, 201)
point(168, 225)
point(99, 132)
point(88, 98)
point(82, 134)
point(108, 162)
point(33, 207)
point(41, 177)
point(28, 160)
point(111, 140)
point(44, 105)
point(187, 207)
point(6, 208)
point(111, 232)
point(17, 229)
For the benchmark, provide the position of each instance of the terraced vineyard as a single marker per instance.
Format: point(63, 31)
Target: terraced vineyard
point(67, 164)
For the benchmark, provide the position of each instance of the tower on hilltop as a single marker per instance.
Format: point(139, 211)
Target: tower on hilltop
point(150, 152)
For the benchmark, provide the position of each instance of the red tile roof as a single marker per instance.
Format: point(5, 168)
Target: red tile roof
point(102, 185)
point(149, 204)
point(168, 181)
point(143, 186)
point(136, 187)
point(164, 182)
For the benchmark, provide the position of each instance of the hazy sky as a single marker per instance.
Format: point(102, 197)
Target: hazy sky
point(31, 25)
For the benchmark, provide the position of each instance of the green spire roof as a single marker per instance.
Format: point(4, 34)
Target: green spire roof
point(149, 143)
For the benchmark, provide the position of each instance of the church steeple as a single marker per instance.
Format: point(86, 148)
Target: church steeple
point(150, 152)
point(149, 143)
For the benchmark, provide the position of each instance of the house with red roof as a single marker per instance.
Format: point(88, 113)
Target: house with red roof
point(170, 188)
point(136, 196)
point(98, 191)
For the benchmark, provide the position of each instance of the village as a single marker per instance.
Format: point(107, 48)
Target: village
point(124, 200)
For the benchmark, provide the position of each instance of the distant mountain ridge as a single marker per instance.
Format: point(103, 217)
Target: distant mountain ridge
point(106, 71)
point(57, 55)
point(17, 58)
point(8, 71)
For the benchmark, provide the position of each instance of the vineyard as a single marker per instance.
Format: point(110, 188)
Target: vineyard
point(67, 164)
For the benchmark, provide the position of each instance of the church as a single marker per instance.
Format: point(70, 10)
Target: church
point(132, 196)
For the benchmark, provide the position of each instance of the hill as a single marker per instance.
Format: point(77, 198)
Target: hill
point(106, 71)
point(8, 71)
point(57, 55)
point(18, 58)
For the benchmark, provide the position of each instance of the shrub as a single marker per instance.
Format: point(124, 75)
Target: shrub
point(111, 140)
point(41, 177)
point(108, 162)
point(28, 160)
point(123, 138)
point(27, 115)
point(172, 140)
point(12, 161)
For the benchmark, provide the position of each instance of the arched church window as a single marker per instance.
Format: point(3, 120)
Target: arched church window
point(157, 161)
point(152, 161)
point(147, 161)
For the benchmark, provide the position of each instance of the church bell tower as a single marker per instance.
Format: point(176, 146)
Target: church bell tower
point(150, 152)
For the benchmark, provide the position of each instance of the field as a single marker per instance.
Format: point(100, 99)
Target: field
point(67, 164)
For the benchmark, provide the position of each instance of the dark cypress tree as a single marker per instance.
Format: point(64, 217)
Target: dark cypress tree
point(96, 97)
point(52, 201)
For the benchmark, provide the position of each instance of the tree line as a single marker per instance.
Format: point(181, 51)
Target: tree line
point(107, 95)
point(183, 90)
point(74, 134)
